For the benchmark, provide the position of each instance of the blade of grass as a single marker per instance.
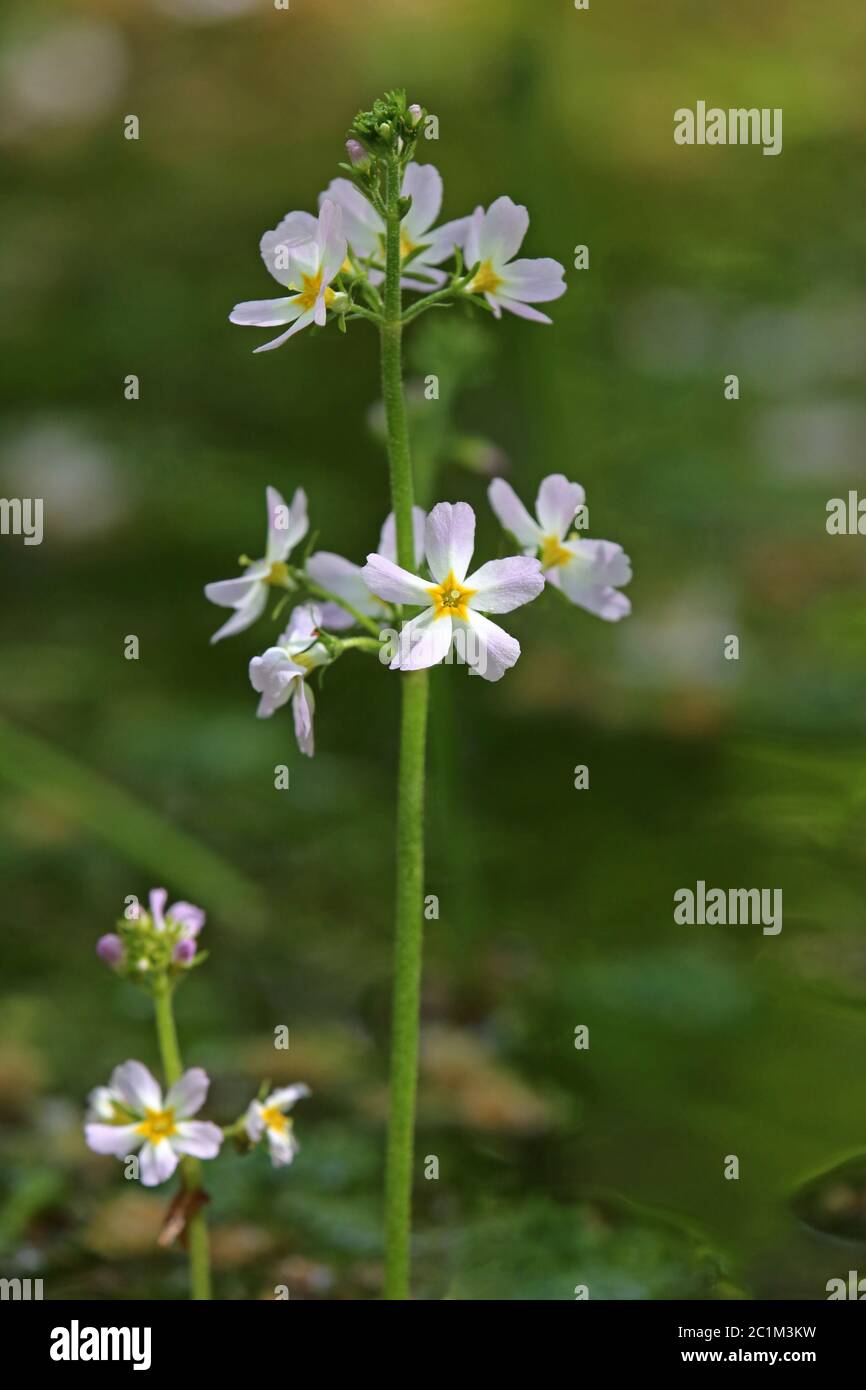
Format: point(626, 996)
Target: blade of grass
point(138, 833)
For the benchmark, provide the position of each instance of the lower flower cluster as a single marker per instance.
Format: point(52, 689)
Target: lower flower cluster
point(132, 1118)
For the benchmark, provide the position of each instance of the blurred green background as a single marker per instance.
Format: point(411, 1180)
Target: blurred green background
point(557, 1166)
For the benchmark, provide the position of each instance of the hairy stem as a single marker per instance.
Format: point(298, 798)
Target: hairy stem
point(196, 1230)
point(408, 934)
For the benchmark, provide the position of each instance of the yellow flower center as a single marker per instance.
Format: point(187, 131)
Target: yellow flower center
point(157, 1125)
point(278, 573)
point(407, 245)
point(303, 659)
point(485, 280)
point(553, 553)
point(450, 597)
point(310, 293)
point(275, 1119)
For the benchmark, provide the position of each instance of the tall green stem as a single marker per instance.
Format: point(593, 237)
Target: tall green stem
point(196, 1230)
point(408, 934)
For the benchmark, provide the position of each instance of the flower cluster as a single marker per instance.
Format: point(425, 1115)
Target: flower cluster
point(333, 264)
point(131, 1116)
point(453, 605)
point(151, 944)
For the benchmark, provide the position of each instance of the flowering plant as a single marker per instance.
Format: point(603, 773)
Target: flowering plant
point(151, 1132)
point(416, 602)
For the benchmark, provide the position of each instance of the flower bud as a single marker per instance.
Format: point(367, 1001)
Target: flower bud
point(414, 113)
point(385, 130)
point(110, 949)
point(184, 951)
point(357, 154)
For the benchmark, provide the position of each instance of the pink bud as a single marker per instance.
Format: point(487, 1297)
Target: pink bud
point(110, 949)
point(415, 113)
point(184, 951)
point(356, 152)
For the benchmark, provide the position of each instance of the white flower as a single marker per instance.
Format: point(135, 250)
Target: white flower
point(492, 239)
point(305, 254)
point(459, 601)
point(339, 576)
point(248, 594)
point(280, 673)
point(269, 1117)
point(587, 572)
point(130, 1115)
point(365, 229)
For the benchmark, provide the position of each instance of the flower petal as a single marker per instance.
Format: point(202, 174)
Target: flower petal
point(282, 1146)
point(494, 650)
point(388, 536)
point(442, 241)
point(156, 1163)
point(189, 1094)
point(303, 322)
point(188, 916)
point(423, 184)
point(100, 1105)
point(303, 705)
point(505, 225)
point(388, 581)
point(423, 641)
point(156, 901)
point(245, 614)
point(286, 1097)
point(556, 504)
point(271, 676)
point(449, 540)
point(276, 247)
point(286, 525)
point(472, 238)
point(230, 593)
point(512, 514)
point(331, 240)
point(303, 623)
point(362, 225)
point(118, 1140)
point(136, 1087)
point(589, 579)
point(197, 1137)
point(503, 585)
point(516, 306)
point(265, 313)
point(339, 576)
point(253, 1122)
point(534, 280)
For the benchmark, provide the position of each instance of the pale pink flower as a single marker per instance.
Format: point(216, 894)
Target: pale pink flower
point(268, 1117)
point(131, 1116)
point(454, 602)
point(305, 254)
point(492, 239)
point(280, 673)
point(587, 572)
point(248, 595)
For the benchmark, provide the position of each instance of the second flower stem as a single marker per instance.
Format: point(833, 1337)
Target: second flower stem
point(196, 1230)
point(408, 931)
